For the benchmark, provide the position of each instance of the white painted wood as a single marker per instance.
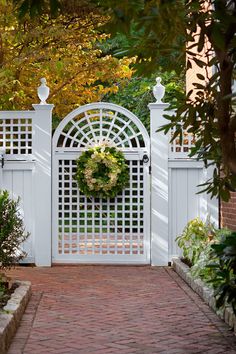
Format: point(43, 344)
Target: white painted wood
point(93, 229)
point(192, 197)
point(16, 133)
point(173, 215)
point(19, 183)
point(42, 183)
point(43, 91)
point(18, 165)
point(189, 163)
point(27, 173)
point(175, 177)
point(185, 204)
point(1, 177)
point(28, 207)
point(159, 186)
point(8, 182)
point(212, 203)
point(100, 259)
point(182, 198)
point(16, 114)
point(203, 212)
point(147, 211)
point(158, 90)
point(2, 153)
point(22, 189)
point(178, 150)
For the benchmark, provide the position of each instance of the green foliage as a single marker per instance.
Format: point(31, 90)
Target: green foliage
point(102, 172)
point(65, 50)
point(136, 93)
point(155, 32)
point(4, 290)
point(224, 276)
point(12, 232)
point(213, 258)
point(195, 238)
point(165, 33)
point(200, 269)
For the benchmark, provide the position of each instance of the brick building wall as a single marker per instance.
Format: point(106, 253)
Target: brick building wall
point(228, 213)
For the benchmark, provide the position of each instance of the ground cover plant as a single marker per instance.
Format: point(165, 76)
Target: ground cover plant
point(211, 255)
point(12, 234)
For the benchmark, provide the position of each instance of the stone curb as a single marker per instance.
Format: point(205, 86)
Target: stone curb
point(206, 293)
point(12, 313)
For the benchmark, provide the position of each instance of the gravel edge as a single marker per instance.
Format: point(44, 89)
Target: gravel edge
point(206, 293)
point(12, 313)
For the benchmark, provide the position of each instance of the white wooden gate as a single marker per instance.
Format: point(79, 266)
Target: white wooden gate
point(65, 225)
point(95, 230)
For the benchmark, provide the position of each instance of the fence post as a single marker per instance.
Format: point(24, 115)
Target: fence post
point(159, 181)
point(42, 138)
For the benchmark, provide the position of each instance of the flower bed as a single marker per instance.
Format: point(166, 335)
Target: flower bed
point(12, 313)
point(206, 293)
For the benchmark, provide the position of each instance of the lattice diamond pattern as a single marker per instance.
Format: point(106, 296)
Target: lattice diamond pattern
point(94, 226)
point(16, 135)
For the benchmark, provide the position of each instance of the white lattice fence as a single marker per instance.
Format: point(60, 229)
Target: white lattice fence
point(86, 229)
point(16, 133)
point(175, 177)
point(17, 166)
point(180, 149)
point(25, 140)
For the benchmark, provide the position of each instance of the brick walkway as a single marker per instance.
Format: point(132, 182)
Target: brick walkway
point(112, 309)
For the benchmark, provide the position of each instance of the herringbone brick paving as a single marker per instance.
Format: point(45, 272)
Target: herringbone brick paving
point(115, 309)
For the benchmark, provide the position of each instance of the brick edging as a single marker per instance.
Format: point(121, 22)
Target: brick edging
point(206, 293)
point(12, 313)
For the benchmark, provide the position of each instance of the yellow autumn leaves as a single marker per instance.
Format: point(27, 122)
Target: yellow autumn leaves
point(66, 51)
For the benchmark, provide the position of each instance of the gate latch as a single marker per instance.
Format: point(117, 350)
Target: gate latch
point(2, 152)
point(145, 158)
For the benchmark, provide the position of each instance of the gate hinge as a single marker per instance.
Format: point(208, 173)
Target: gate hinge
point(150, 169)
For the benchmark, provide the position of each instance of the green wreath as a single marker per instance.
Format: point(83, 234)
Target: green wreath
point(102, 172)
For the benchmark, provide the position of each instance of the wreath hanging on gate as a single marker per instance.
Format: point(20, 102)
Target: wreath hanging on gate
point(102, 172)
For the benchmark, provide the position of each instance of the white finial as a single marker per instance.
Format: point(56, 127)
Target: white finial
point(43, 91)
point(158, 91)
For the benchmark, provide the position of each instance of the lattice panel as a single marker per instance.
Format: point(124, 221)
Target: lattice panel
point(93, 126)
point(94, 226)
point(16, 135)
point(178, 150)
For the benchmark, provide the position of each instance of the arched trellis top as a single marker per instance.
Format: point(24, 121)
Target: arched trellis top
point(93, 123)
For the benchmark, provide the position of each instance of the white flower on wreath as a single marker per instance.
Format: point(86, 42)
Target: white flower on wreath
point(103, 143)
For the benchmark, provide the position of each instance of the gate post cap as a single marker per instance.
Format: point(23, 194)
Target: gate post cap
point(43, 91)
point(158, 90)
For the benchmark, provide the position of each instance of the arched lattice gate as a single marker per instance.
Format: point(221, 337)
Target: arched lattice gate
point(95, 230)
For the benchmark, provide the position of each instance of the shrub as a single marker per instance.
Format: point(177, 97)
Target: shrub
point(194, 239)
point(200, 268)
point(12, 232)
point(136, 93)
point(212, 255)
point(224, 276)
